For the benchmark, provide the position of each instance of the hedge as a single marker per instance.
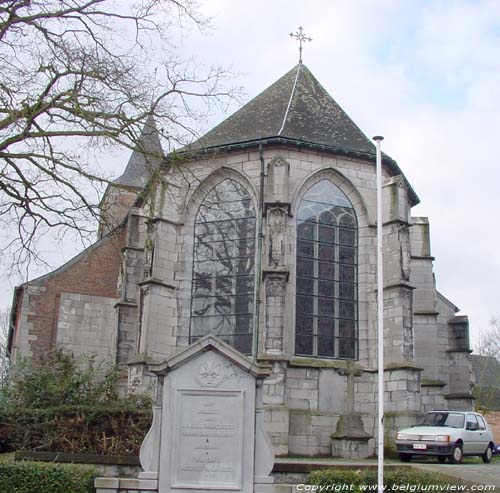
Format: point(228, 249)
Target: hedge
point(362, 477)
point(101, 430)
point(37, 477)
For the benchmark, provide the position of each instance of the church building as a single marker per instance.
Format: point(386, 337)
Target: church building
point(263, 234)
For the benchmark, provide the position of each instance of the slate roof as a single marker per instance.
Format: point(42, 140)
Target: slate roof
point(295, 107)
point(296, 110)
point(147, 156)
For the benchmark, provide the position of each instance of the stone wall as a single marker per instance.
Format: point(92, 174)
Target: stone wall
point(87, 325)
point(316, 399)
point(303, 402)
point(125, 485)
point(433, 395)
point(303, 397)
point(177, 204)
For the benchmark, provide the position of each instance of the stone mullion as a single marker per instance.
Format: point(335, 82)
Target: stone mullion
point(315, 290)
point(336, 294)
point(232, 313)
point(356, 306)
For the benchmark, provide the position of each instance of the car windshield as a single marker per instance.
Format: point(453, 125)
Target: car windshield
point(452, 420)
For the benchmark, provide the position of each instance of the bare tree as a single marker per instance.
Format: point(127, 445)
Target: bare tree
point(487, 366)
point(489, 340)
point(4, 332)
point(79, 76)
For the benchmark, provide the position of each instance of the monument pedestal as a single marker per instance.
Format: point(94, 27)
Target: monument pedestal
point(350, 441)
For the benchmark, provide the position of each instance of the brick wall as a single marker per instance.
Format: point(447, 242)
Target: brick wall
point(93, 272)
point(493, 418)
point(114, 208)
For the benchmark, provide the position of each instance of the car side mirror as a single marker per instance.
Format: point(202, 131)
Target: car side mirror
point(472, 426)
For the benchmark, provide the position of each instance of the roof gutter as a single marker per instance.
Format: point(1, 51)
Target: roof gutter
point(387, 161)
point(260, 241)
point(18, 290)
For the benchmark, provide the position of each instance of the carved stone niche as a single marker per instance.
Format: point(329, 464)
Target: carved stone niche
point(276, 225)
point(278, 171)
point(208, 427)
point(275, 281)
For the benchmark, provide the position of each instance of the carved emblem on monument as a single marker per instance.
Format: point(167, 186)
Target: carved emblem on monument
point(210, 374)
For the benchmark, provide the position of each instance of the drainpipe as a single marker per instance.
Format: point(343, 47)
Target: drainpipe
point(260, 240)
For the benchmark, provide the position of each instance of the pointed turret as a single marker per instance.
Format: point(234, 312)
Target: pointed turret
point(146, 158)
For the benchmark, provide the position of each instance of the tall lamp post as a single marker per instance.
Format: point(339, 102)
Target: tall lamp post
point(380, 318)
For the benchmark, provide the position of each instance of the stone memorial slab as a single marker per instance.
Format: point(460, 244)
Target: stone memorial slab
point(208, 438)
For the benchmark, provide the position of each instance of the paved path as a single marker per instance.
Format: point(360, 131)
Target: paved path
point(472, 473)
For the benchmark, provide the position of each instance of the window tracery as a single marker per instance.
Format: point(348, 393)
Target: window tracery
point(326, 287)
point(222, 294)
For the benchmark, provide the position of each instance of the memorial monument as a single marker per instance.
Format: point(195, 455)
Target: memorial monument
point(208, 431)
point(350, 441)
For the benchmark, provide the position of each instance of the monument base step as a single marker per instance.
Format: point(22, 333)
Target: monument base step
point(128, 485)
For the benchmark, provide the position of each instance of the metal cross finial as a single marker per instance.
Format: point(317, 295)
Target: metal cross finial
point(301, 37)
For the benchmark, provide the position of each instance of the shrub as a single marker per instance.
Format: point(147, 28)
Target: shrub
point(69, 404)
point(37, 477)
point(109, 430)
point(392, 476)
point(58, 378)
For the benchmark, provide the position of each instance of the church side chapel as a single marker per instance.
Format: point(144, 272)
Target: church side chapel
point(262, 234)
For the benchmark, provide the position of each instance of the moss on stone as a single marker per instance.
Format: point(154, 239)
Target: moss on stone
point(432, 383)
point(403, 365)
point(318, 363)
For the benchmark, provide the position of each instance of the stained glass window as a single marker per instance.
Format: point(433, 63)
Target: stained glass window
point(222, 296)
point(326, 293)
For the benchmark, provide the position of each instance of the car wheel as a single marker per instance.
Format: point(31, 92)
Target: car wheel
point(441, 459)
point(405, 457)
point(488, 454)
point(456, 454)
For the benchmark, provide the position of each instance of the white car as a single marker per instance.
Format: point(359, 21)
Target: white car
point(447, 434)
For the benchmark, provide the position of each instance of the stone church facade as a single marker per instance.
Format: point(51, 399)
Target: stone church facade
point(263, 233)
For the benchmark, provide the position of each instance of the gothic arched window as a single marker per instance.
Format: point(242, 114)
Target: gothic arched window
point(222, 296)
point(326, 295)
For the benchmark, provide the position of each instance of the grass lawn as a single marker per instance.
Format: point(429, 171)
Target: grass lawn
point(7, 457)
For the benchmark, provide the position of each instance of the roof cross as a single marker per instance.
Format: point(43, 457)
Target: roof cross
point(300, 37)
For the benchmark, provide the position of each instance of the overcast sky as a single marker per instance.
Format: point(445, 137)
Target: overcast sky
point(425, 75)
